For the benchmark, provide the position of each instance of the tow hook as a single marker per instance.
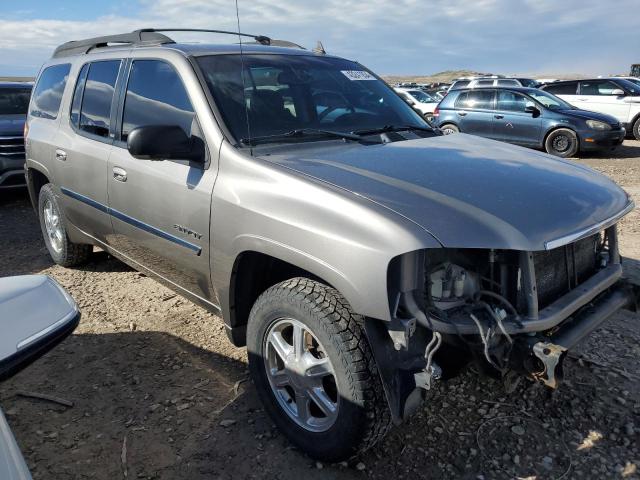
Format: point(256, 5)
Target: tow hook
point(550, 355)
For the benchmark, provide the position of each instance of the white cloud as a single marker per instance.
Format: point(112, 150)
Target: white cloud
point(402, 36)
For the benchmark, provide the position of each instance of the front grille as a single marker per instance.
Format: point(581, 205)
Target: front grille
point(560, 270)
point(12, 147)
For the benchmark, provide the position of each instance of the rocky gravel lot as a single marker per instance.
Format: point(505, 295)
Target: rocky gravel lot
point(158, 392)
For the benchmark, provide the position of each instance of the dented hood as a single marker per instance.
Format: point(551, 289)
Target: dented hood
point(467, 191)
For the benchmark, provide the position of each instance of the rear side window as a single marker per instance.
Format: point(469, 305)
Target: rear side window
point(14, 101)
point(598, 87)
point(95, 110)
point(155, 96)
point(47, 95)
point(476, 99)
point(568, 88)
point(508, 83)
point(484, 83)
point(459, 84)
point(77, 95)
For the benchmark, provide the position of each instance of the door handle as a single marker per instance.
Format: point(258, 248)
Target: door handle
point(61, 155)
point(462, 114)
point(120, 174)
point(499, 117)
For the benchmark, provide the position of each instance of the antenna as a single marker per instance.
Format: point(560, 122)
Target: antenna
point(319, 49)
point(244, 84)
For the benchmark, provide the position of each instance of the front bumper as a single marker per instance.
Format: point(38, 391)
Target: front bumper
point(592, 140)
point(11, 172)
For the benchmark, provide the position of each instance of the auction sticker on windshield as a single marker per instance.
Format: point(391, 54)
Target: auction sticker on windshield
point(358, 75)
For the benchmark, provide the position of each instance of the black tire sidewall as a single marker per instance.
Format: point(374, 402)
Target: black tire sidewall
point(548, 144)
point(340, 441)
point(452, 127)
point(636, 129)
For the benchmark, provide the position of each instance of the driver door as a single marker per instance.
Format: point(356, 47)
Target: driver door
point(160, 210)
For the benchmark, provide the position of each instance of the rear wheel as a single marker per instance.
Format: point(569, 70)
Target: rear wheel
point(314, 370)
point(62, 250)
point(636, 129)
point(449, 128)
point(562, 143)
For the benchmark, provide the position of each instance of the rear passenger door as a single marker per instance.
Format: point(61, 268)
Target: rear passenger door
point(597, 95)
point(161, 208)
point(474, 110)
point(83, 144)
point(511, 123)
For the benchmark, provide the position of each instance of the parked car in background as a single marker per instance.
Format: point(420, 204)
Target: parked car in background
point(614, 96)
point(14, 102)
point(529, 117)
point(419, 99)
point(36, 314)
point(635, 70)
point(485, 82)
point(528, 82)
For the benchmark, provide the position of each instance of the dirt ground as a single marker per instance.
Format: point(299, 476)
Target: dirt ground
point(158, 392)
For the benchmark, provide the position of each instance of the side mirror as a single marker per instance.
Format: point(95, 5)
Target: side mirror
point(618, 92)
point(36, 313)
point(164, 142)
point(532, 109)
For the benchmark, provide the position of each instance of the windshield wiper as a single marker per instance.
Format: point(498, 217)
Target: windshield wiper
point(393, 128)
point(300, 132)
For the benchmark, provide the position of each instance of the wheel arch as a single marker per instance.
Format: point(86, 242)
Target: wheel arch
point(36, 179)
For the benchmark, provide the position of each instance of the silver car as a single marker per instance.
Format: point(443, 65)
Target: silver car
point(360, 255)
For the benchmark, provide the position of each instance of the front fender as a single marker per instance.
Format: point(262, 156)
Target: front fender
point(342, 238)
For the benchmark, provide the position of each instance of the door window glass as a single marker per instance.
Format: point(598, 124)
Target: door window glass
point(155, 96)
point(598, 87)
point(512, 102)
point(77, 95)
point(95, 113)
point(484, 83)
point(508, 83)
point(568, 88)
point(476, 99)
point(48, 92)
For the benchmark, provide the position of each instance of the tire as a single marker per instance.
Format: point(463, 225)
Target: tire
point(361, 417)
point(562, 142)
point(636, 129)
point(449, 128)
point(62, 250)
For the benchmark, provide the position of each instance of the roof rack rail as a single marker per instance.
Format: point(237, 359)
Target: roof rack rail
point(151, 36)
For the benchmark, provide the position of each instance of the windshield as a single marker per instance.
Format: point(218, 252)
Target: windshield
point(549, 100)
point(421, 96)
point(14, 101)
point(285, 93)
point(629, 86)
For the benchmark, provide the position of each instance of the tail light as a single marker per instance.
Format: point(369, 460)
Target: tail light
point(436, 112)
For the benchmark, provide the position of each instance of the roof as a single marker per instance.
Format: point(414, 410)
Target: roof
point(499, 87)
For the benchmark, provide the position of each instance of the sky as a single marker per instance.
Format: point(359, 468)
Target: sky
point(400, 37)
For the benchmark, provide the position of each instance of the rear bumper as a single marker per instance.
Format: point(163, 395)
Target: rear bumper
point(597, 140)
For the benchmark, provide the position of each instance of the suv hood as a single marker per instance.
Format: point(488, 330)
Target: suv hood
point(467, 191)
point(12, 125)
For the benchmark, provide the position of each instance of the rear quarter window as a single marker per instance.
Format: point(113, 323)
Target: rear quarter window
point(47, 95)
point(562, 88)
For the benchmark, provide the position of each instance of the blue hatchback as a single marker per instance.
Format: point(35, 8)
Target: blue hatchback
point(528, 117)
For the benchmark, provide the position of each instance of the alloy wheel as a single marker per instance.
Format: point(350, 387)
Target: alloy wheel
point(53, 226)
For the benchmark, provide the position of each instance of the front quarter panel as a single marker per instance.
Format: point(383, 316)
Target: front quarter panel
point(344, 239)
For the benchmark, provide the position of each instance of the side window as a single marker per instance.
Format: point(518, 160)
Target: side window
point(95, 111)
point(155, 96)
point(476, 99)
point(47, 95)
point(77, 95)
point(568, 88)
point(484, 83)
point(512, 102)
point(597, 87)
point(508, 83)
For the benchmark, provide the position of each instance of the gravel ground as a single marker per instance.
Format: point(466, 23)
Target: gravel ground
point(159, 392)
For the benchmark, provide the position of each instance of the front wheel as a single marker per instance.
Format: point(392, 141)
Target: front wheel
point(314, 370)
point(562, 143)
